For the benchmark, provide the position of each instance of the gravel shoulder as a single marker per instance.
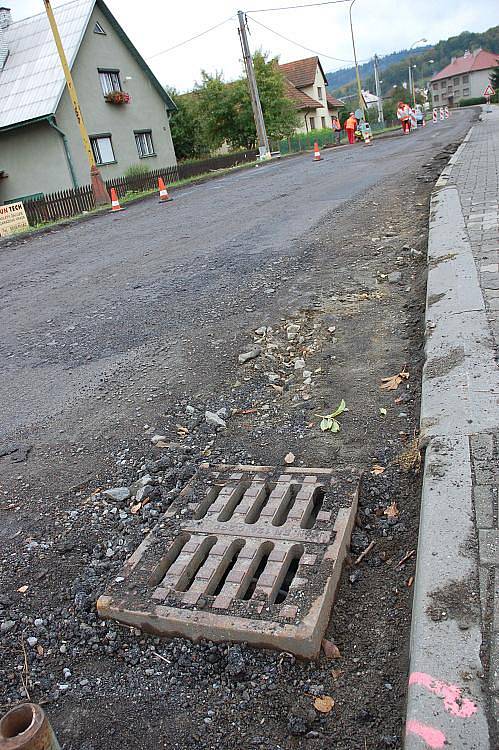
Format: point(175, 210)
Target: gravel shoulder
point(357, 295)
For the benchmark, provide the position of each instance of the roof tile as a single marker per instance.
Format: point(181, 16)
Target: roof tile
point(478, 60)
point(301, 73)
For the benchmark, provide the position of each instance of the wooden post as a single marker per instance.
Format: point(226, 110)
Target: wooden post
point(100, 192)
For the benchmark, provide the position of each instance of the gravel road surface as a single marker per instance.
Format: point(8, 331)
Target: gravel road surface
point(129, 325)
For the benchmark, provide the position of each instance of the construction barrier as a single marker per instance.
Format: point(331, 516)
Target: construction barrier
point(115, 204)
point(317, 153)
point(435, 115)
point(447, 114)
point(442, 113)
point(163, 192)
point(412, 117)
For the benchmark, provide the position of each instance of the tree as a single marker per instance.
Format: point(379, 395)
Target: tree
point(226, 107)
point(494, 82)
point(188, 135)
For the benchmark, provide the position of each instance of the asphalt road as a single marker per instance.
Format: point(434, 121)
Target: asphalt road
point(87, 301)
point(112, 328)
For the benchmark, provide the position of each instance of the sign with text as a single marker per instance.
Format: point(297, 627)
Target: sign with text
point(12, 218)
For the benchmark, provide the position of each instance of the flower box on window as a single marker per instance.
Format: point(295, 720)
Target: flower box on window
point(117, 97)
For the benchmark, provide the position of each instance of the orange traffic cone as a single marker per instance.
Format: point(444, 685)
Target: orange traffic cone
point(115, 204)
point(163, 192)
point(317, 153)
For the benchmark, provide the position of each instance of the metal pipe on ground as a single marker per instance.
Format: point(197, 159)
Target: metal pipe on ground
point(26, 727)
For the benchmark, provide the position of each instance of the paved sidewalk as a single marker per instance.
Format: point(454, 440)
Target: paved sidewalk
point(455, 626)
point(476, 176)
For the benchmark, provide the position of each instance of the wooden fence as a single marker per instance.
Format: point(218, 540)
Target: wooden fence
point(67, 203)
point(60, 205)
point(142, 182)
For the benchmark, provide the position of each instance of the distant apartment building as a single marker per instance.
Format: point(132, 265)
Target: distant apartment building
point(465, 77)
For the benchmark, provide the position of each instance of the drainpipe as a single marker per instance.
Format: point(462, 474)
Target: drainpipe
point(51, 122)
point(26, 727)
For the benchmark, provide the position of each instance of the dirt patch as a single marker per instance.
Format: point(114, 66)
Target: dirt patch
point(107, 686)
point(441, 366)
point(459, 600)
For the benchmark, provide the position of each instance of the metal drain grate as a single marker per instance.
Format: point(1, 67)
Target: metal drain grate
point(244, 554)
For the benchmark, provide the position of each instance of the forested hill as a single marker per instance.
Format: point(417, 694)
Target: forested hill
point(394, 66)
point(346, 75)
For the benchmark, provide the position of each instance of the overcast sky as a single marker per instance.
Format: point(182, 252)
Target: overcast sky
point(380, 26)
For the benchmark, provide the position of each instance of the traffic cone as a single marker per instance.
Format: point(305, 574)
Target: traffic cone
point(115, 204)
point(163, 192)
point(317, 153)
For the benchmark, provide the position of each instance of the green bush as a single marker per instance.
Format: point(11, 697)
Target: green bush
point(137, 170)
point(472, 100)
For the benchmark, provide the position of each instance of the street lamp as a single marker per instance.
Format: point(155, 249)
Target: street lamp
point(359, 87)
point(411, 82)
point(430, 62)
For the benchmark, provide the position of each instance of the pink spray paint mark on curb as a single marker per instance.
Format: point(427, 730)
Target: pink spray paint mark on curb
point(454, 703)
point(434, 738)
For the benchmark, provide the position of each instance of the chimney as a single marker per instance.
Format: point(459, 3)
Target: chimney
point(467, 53)
point(5, 21)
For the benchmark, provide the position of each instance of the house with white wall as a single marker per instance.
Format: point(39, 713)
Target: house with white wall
point(306, 86)
point(124, 106)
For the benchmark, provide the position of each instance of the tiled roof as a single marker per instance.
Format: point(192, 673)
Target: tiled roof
point(333, 102)
point(301, 73)
point(478, 60)
point(300, 99)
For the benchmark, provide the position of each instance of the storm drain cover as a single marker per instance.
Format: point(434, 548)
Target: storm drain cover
point(244, 554)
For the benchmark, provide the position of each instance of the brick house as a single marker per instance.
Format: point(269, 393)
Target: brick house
point(463, 78)
point(306, 86)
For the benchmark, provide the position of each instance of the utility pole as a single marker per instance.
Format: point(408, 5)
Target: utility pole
point(357, 74)
point(381, 118)
point(263, 141)
point(410, 86)
point(98, 186)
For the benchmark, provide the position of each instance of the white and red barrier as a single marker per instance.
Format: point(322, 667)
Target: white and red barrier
point(447, 114)
point(435, 115)
point(442, 113)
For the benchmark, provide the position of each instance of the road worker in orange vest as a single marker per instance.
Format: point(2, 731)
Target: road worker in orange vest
point(351, 127)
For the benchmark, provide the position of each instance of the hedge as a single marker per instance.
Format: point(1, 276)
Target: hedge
point(472, 100)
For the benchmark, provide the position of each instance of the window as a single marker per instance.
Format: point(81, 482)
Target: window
point(435, 85)
point(312, 123)
point(145, 146)
point(319, 93)
point(323, 122)
point(456, 81)
point(98, 29)
point(435, 97)
point(466, 79)
point(466, 92)
point(103, 149)
point(110, 81)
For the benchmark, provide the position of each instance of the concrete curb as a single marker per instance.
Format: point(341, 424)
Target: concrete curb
point(446, 702)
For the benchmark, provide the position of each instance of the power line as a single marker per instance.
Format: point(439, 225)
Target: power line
point(293, 7)
point(308, 49)
point(191, 39)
